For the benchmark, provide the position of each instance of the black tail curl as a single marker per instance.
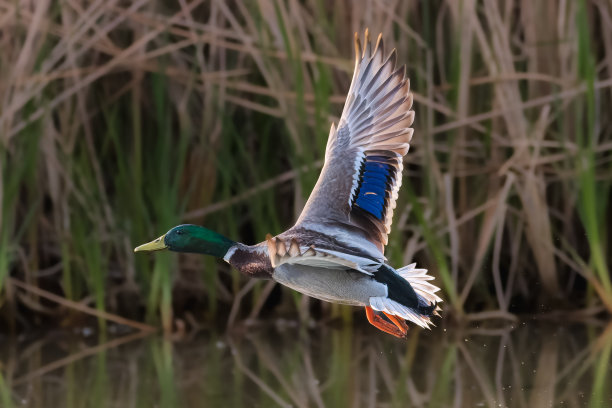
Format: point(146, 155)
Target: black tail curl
point(428, 310)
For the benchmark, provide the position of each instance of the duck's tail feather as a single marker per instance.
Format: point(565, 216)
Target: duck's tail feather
point(384, 304)
point(426, 293)
point(418, 279)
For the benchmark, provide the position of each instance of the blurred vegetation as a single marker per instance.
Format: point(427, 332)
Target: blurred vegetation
point(120, 119)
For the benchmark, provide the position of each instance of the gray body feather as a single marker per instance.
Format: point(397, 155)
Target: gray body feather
point(344, 286)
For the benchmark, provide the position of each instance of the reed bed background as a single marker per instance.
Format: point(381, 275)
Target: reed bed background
point(121, 119)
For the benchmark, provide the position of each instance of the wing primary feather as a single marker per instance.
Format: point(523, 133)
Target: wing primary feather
point(379, 45)
point(367, 49)
point(379, 72)
point(407, 116)
point(379, 91)
point(357, 48)
point(386, 111)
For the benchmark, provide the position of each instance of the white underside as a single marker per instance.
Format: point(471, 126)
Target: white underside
point(343, 286)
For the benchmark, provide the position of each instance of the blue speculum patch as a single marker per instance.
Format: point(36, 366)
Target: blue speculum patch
point(373, 185)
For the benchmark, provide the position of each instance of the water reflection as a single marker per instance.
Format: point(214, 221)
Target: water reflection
point(532, 365)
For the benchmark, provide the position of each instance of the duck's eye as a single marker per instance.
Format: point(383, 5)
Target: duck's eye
point(179, 232)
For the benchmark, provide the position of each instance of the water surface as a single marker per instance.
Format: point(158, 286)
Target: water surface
point(523, 365)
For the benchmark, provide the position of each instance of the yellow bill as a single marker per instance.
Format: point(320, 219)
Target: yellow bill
point(155, 245)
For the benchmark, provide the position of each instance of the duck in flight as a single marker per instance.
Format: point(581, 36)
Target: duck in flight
point(335, 251)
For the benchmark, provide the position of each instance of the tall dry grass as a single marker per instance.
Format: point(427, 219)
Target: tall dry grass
point(119, 120)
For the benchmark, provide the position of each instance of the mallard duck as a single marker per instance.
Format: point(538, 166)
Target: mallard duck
point(335, 251)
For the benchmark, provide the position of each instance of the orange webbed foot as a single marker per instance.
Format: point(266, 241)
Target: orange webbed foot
point(399, 322)
point(398, 328)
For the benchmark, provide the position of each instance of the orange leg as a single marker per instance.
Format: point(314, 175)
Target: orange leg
point(383, 325)
point(399, 322)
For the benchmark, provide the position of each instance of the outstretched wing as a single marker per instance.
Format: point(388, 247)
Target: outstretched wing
point(356, 191)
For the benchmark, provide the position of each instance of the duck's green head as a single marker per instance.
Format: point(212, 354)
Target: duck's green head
point(190, 238)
